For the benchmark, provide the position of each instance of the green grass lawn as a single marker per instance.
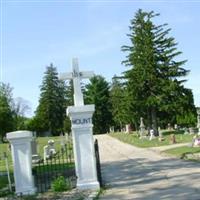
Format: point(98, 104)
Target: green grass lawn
point(42, 141)
point(134, 139)
point(180, 152)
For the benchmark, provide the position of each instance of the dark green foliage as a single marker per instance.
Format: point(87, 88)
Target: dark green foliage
point(50, 113)
point(60, 184)
point(118, 96)
point(97, 92)
point(154, 81)
point(7, 122)
point(69, 102)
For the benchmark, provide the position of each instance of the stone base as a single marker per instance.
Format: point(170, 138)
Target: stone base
point(88, 186)
point(26, 191)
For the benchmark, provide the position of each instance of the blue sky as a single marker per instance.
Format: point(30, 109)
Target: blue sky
point(36, 33)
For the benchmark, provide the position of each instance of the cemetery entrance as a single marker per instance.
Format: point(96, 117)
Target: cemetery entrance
point(56, 165)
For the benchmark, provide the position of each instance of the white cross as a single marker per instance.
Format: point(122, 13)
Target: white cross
point(76, 76)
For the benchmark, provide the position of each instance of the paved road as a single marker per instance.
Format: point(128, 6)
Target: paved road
point(134, 173)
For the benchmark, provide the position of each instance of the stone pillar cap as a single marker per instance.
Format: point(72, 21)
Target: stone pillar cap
point(19, 135)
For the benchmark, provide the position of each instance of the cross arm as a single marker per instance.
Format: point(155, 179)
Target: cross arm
point(66, 76)
point(87, 74)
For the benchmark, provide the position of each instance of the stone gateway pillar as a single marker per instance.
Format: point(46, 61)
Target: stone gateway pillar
point(81, 118)
point(22, 161)
point(82, 134)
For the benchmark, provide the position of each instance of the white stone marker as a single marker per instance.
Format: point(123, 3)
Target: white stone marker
point(22, 161)
point(82, 134)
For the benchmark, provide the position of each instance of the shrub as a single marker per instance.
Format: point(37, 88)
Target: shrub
point(61, 184)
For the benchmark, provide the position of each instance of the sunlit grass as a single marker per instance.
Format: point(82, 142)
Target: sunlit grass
point(134, 139)
point(181, 152)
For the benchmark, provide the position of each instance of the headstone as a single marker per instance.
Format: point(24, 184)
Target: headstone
point(49, 150)
point(151, 134)
point(192, 130)
point(46, 152)
point(169, 127)
point(52, 149)
point(142, 128)
point(196, 141)
point(21, 156)
point(35, 157)
point(172, 139)
point(83, 143)
point(127, 128)
point(112, 129)
point(161, 138)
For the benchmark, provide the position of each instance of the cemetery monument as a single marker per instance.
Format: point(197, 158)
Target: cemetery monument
point(142, 128)
point(82, 133)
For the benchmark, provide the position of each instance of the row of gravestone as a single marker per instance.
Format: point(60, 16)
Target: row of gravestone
point(49, 149)
point(152, 132)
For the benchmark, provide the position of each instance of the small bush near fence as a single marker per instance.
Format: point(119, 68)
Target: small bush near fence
point(61, 184)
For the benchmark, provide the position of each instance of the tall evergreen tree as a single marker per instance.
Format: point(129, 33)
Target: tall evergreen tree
point(153, 77)
point(51, 110)
point(97, 92)
point(118, 96)
point(7, 122)
point(69, 102)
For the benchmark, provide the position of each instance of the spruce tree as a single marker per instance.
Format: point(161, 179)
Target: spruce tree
point(97, 92)
point(154, 74)
point(119, 103)
point(50, 112)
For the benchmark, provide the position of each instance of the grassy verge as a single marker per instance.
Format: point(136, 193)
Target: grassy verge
point(134, 139)
point(181, 152)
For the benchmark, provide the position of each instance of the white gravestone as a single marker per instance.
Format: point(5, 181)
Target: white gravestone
point(112, 129)
point(49, 150)
point(46, 152)
point(151, 134)
point(22, 162)
point(82, 134)
point(128, 128)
